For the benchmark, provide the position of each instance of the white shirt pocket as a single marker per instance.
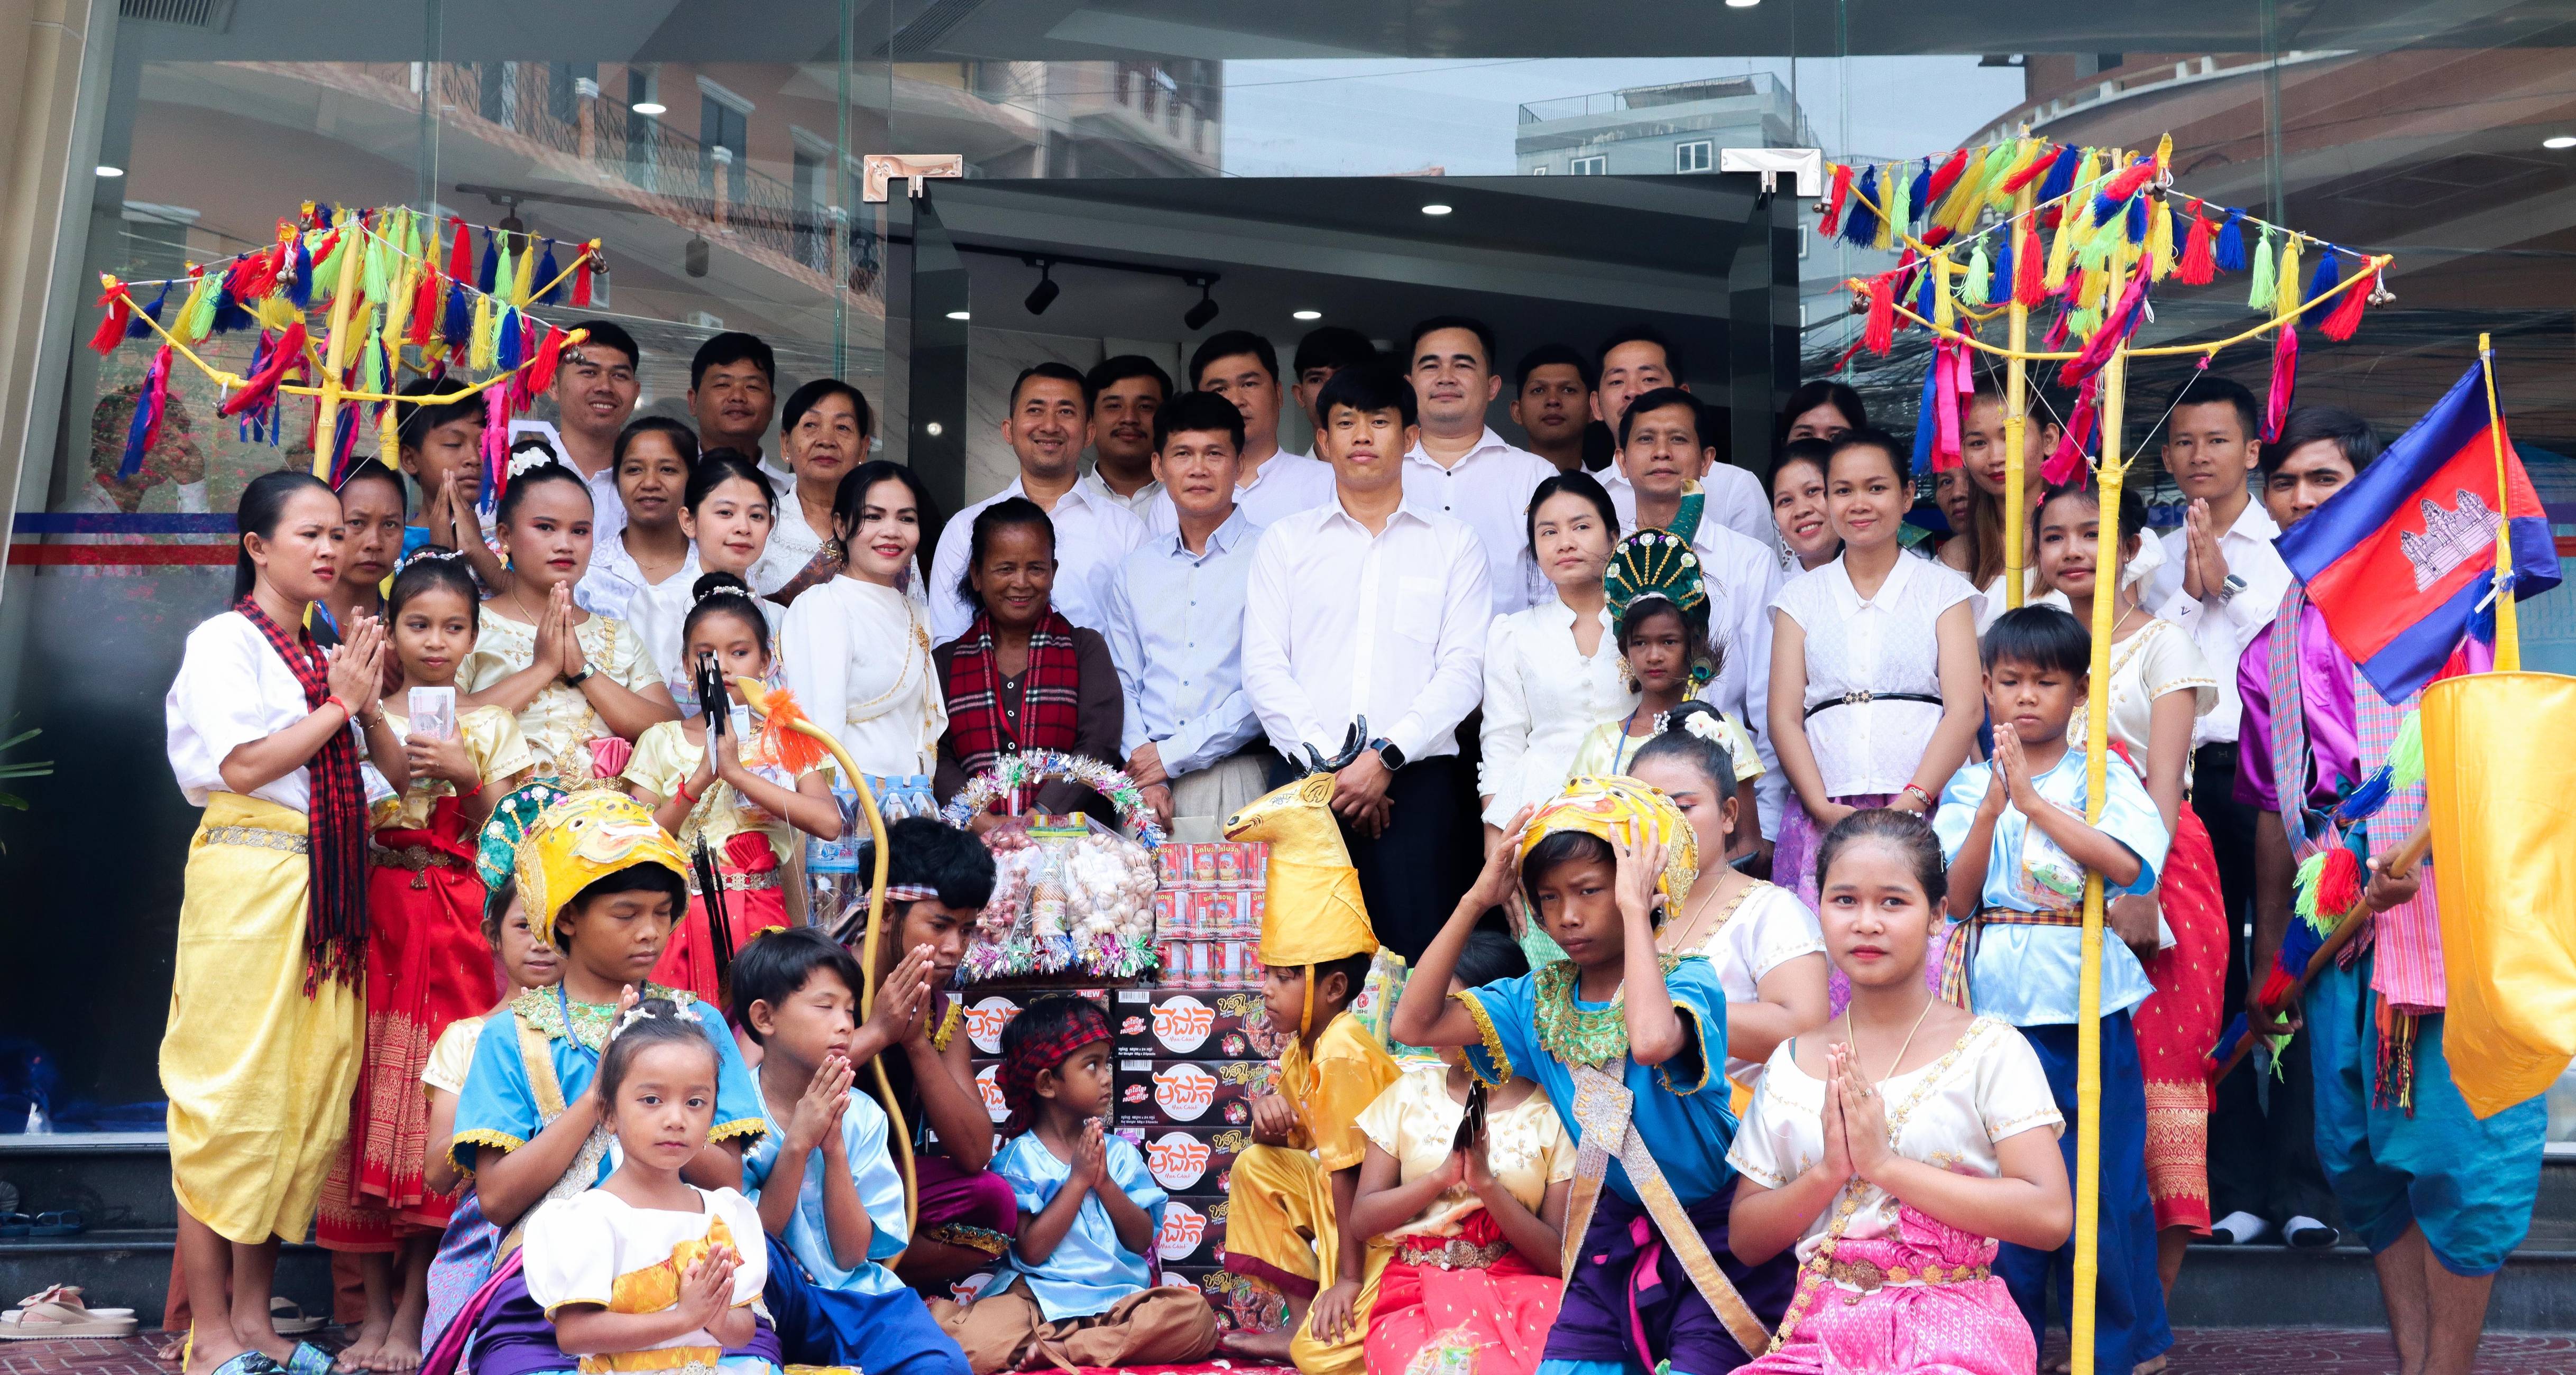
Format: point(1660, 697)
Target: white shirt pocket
point(1417, 609)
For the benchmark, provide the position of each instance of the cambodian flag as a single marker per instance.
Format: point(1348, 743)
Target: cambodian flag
point(2402, 561)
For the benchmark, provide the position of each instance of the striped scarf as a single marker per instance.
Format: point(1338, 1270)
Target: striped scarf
point(1050, 694)
point(335, 921)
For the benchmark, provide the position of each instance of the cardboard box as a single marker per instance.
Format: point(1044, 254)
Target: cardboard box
point(1242, 1304)
point(1189, 1162)
point(990, 1007)
point(1193, 1233)
point(1167, 1023)
point(1189, 1093)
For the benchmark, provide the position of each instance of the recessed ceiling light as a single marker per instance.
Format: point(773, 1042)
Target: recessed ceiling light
point(1435, 209)
point(649, 107)
point(957, 315)
point(106, 171)
point(1742, 4)
point(933, 428)
point(1307, 314)
point(2562, 141)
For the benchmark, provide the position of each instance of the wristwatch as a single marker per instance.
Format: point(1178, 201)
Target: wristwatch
point(2227, 590)
point(577, 679)
point(1387, 753)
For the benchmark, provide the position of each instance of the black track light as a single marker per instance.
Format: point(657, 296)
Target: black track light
point(1199, 315)
point(1044, 293)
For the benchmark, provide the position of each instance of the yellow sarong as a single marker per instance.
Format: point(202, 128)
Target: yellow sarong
point(259, 1076)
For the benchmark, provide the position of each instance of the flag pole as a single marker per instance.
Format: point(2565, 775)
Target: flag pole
point(2508, 640)
point(2016, 407)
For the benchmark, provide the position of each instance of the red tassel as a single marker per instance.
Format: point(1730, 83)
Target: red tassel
point(1833, 213)
point(423, 321)
point(2285, 380)
point(2276, 987)
point(2039, 165)
point(2066, 462)
point(2199, 265)
point(256, 392)
point(1947, 176)
point(1881, 330)
point(541, 368)
point(2127, 183)
point(2347, 312)
point(460, 256)
point(120, 313)
point(2030, 266)
point(581, 278)
point(2339, 883)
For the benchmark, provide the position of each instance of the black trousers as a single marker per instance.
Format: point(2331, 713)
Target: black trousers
point(1411, 875)
point(2262, 1131)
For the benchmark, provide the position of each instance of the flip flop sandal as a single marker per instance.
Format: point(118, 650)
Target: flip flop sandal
point(66, 1293)
point(64, 1223)
point(15, 1224)
point(248, 1363)
point(309, 1359)
point(57, 1312)
point(289, 1319)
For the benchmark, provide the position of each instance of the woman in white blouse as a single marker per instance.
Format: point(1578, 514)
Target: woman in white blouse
point(641, 574)
point(825, 429)
point(857, 649)
point(1875, 686)
point(266, 1017)
point(1551, 669)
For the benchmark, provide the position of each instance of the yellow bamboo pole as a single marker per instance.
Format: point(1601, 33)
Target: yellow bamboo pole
point(2016, 412)
point(2508, 640)
point(335, 350)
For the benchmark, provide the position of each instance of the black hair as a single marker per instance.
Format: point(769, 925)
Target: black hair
point(609, 334)
point(1899, 456)
point(434, 569)
point(684, 440)
point(1641, 333)
point(656, 1022)
point(850, 499)
point(516, 494)
point(722, 594)
point(634, 878)
point(733, 346)
point(1335, 347)
point(1558, 850)
point(2133, 508)
point(2306, 425)
point(1226, 344)
point(415, 419)
point(807, 397)
point(1551, 355)
point(1484, 336)
point(1907, 833)
point(1108, 372)
point(2043, 637)
point(1060, 372)
point(376, 470)
point(1489, 957)
point(1354, 971)
point(715, 468)
point(2204, 388)
point(1664, 398)
point(1001, 515)
point(924, 852)
point(1578, 483)
point(1046, 1020)
point(1623, 629)
point(1819, 452)
point(262, 506)
point(1676, 741)
point(777, 965)
point(1198, 411)
point(1367, 390)
point(1823, 391)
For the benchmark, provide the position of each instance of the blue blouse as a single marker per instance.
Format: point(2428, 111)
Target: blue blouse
point(1685, 1122)
point(497, 1108)
point(863, 1140)
point(1089, 1270)
point(2026, 975)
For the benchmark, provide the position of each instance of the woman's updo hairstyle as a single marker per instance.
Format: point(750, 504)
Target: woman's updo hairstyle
point(433, 568)
point(1706, 753)
point(546, 468)
point(261, 509)
point(723, 594)
point(1902, 831)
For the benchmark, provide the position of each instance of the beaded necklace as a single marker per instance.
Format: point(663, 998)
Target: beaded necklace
point(584, 1024)
point(1583, 1036)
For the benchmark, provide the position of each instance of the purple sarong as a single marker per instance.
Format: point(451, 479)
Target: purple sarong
point(513, 1337)
point(975, 1210)
point(1627, 1284)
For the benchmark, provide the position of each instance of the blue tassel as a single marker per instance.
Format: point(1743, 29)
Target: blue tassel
point(1923, 293)
point(2104, 208)
point(2326, 277)
point(546, 273)
point(229, 315)
point(2061, 175)
point(2365, 801)
point(2299, 945)
point(457, 325)
point(1860, 226)
point(299, 292)
point(2137, 220)
point(505, 353)
point(1927, 425)
point(2230, 1039)
point(2002, 288)
point(491, 263)
point(1918, 193)
point(135, 328)
point(2229, 250)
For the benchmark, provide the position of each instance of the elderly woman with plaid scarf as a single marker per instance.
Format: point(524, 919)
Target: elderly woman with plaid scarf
point(1022, 677)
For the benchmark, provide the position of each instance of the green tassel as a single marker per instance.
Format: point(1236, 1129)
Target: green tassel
point(1979, 270)
point(411, 235)
point(2084, 322)
point(2304, 886)
point(504, 274)
point(1898, 214)
point(326, 273)
point(371, 370)
point(374, 276)
point(2260, 291)
point(2406, 753)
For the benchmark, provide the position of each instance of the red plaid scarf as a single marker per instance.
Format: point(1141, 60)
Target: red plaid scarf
point(1019, 1076)
point(1050, 693)
point(335, 920)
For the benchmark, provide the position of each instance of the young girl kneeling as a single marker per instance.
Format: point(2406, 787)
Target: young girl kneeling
point(1896, 1160)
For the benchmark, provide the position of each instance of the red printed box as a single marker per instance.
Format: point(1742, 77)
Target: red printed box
point(1190, 1161)
point(1192, 1234)
point(1190, 1093)
point(1166, 1023)
point(1242, 1304)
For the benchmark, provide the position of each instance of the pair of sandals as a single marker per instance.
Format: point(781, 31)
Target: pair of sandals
point(63, 1223)
point(60, 1312)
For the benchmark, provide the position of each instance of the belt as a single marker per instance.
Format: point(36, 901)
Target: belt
point(1865, 696)
point(1963, 942)
point(1869, 1276)
point(1451, 1253)
point(419, 859)
point(744, 883)
point(258, 838)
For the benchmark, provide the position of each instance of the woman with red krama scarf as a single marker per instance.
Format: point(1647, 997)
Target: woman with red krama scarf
point(1022, 677)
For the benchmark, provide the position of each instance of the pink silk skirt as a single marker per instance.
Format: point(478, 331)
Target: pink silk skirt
point(1967, 1328)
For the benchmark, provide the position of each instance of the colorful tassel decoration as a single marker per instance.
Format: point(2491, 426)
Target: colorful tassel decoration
point(460, 256)
point(2285, 381)
point(299, 275)
point(2061, 255)
point(2259, 292)
point(326, 267)
point(138, 328)
point(523, 283)
point(2137, 225)
point(262, 383)
point(479, 353)
point(2061, 174)
point(1927, 412)
point(2067, 459)
point(2230, 242)
point(2028, 287)
point(542, 364)
point(549, 290)
point(2160, 244)
point(119, 312)
point(145, 429)
point(197, 314)
point(1918, 193)
point(1924, 291)
point(1944, 313)
point(1880, 331)
point(2285, 287)
point(2339, 884)
point(1978, 289)
point(590, 256)
point(489, 272)
point(421, 321)
point(1861, 225)
point(229, 314)
point(1946, 177)
point(505, 340)
point(2346, 318)
point(1835, 195)
point(505, 274)
point(2405, 761)
point(1892, 218)
point(2324, 280)
point(376, 274)
point(456, 322)
point(2198, 266)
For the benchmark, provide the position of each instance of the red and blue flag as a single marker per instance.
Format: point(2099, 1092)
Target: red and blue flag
point(2402, 562)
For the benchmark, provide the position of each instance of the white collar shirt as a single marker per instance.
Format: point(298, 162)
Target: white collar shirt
point(1092, 538)
point(2223, 626)
point(1138, 505)
point(1489, 488)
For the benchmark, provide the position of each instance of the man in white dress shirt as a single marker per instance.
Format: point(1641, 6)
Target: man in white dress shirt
point(1327, 349)
point(1176, 631)
point(1459, 466)
point(1125, 393)
point(1638, 359)
point(1243, 368)
point(594, 394)
point(733, 395)
point(1660, 451)
point(1375, 607)
point(1049, 416)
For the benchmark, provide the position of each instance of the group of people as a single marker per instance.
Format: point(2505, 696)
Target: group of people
point(1592, 718)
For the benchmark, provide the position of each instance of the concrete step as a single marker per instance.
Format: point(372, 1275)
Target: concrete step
point(130, 1268)
point(2276, 1286)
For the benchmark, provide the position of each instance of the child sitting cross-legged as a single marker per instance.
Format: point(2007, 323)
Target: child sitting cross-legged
point(1077, 1288)
point(830, 1196)
point(1896, 1145)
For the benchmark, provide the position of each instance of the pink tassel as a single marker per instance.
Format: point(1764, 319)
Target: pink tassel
point(1947, 367)
point(2067, 459)
point(255, 393)
point(496, 444)
point(2285, 380)
point(1833, 208)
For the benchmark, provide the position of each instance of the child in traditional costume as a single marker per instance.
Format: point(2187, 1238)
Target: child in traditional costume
point(575, 680)
point(1659, 617)
point(262, 1046)
point(2019, 849)
point(1894, 1176)
point(1292, 1188)
point(1627, 1043)
point(649, 1272)
point(1477, 1253)
point(429, 962)
point(1078, 1286)
point(745, 801)
point(530, 1124)
point(1762, 942)
point(830, 1196)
